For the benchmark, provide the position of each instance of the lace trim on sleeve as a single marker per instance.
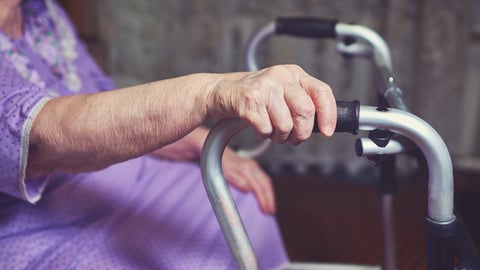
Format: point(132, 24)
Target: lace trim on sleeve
point(32, 191)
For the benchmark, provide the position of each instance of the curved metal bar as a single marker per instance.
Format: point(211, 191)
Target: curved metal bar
point(377, 47)
point(219, 194)
point(255, 151)
point(258, 37)
point(365, 147)
point(440, 184)
point(380, 51)
point(393, 94)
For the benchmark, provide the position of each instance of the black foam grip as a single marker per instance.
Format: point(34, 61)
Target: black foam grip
point(306, 27)
point(347, 117)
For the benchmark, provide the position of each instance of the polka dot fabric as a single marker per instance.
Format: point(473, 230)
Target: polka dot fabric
point(140, 214)
point(28, 79)
point(18, 101)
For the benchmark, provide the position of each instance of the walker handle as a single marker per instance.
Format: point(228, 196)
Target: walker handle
point(348, 114)
point(306, 27)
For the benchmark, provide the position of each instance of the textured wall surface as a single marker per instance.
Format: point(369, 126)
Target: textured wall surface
point(432, 44)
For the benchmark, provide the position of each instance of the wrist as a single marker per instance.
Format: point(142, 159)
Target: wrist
point(220, 95)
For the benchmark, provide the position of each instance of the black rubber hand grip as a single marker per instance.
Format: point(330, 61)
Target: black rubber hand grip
point(306, 27)
point(347, 117)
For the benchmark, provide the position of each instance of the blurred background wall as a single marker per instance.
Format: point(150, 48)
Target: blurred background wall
point(435, 46)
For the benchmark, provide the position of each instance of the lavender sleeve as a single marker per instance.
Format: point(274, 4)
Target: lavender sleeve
point(20, 102)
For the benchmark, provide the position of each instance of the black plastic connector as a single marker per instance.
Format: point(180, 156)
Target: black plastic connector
point(381, 137)
point(440, 245)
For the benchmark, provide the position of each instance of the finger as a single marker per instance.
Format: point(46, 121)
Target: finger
point(302, 112)
point(247, 176)
point(261, 123)
point(245, 182)
point(280, 117)
point(252, 108)
point(260, 189)
point(324, 102)
point(266, 188)
point(238, 180)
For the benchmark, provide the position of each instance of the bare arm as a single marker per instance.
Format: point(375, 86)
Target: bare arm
point(89, 132)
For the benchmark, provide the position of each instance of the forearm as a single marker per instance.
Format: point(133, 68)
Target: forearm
point(89, 132)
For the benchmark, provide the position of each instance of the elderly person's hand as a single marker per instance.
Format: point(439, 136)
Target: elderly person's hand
point(83, 133)
point(279, 102)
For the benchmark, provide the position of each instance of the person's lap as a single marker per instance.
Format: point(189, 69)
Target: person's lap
point(143, 213)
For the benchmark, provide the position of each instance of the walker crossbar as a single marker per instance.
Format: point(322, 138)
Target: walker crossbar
point(351, 40)
point(440, 217)
point(373, 44)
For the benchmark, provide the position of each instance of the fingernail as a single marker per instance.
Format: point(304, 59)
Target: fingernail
point(329, 129)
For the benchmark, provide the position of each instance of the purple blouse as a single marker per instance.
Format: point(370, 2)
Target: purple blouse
point(144, 213)
point(44, 63)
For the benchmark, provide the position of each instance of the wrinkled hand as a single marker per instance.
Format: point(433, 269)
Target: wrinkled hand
point(246, 175)
point(279, 102)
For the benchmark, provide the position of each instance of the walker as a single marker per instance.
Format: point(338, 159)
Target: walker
point(447, 237)
point(352, 40)
point(358, 41)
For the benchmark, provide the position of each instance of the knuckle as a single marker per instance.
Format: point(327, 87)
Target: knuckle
point(276, 68)
point(304, 111)
point(294, 67)
point(279, 70)
point(251, 163)
point(263, 131)
point(248, 165)
point(243, 185)
point(302, 136)
point(324, 87)
point(284, 127)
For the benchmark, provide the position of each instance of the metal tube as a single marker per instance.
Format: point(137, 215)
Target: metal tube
point(255, 151)
point(220, 196)
point(389, 258)
point(369, 36)
point(440, 184)
point(381, 57)
point(392, 93)
point(259, 36)
point(366, 147)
